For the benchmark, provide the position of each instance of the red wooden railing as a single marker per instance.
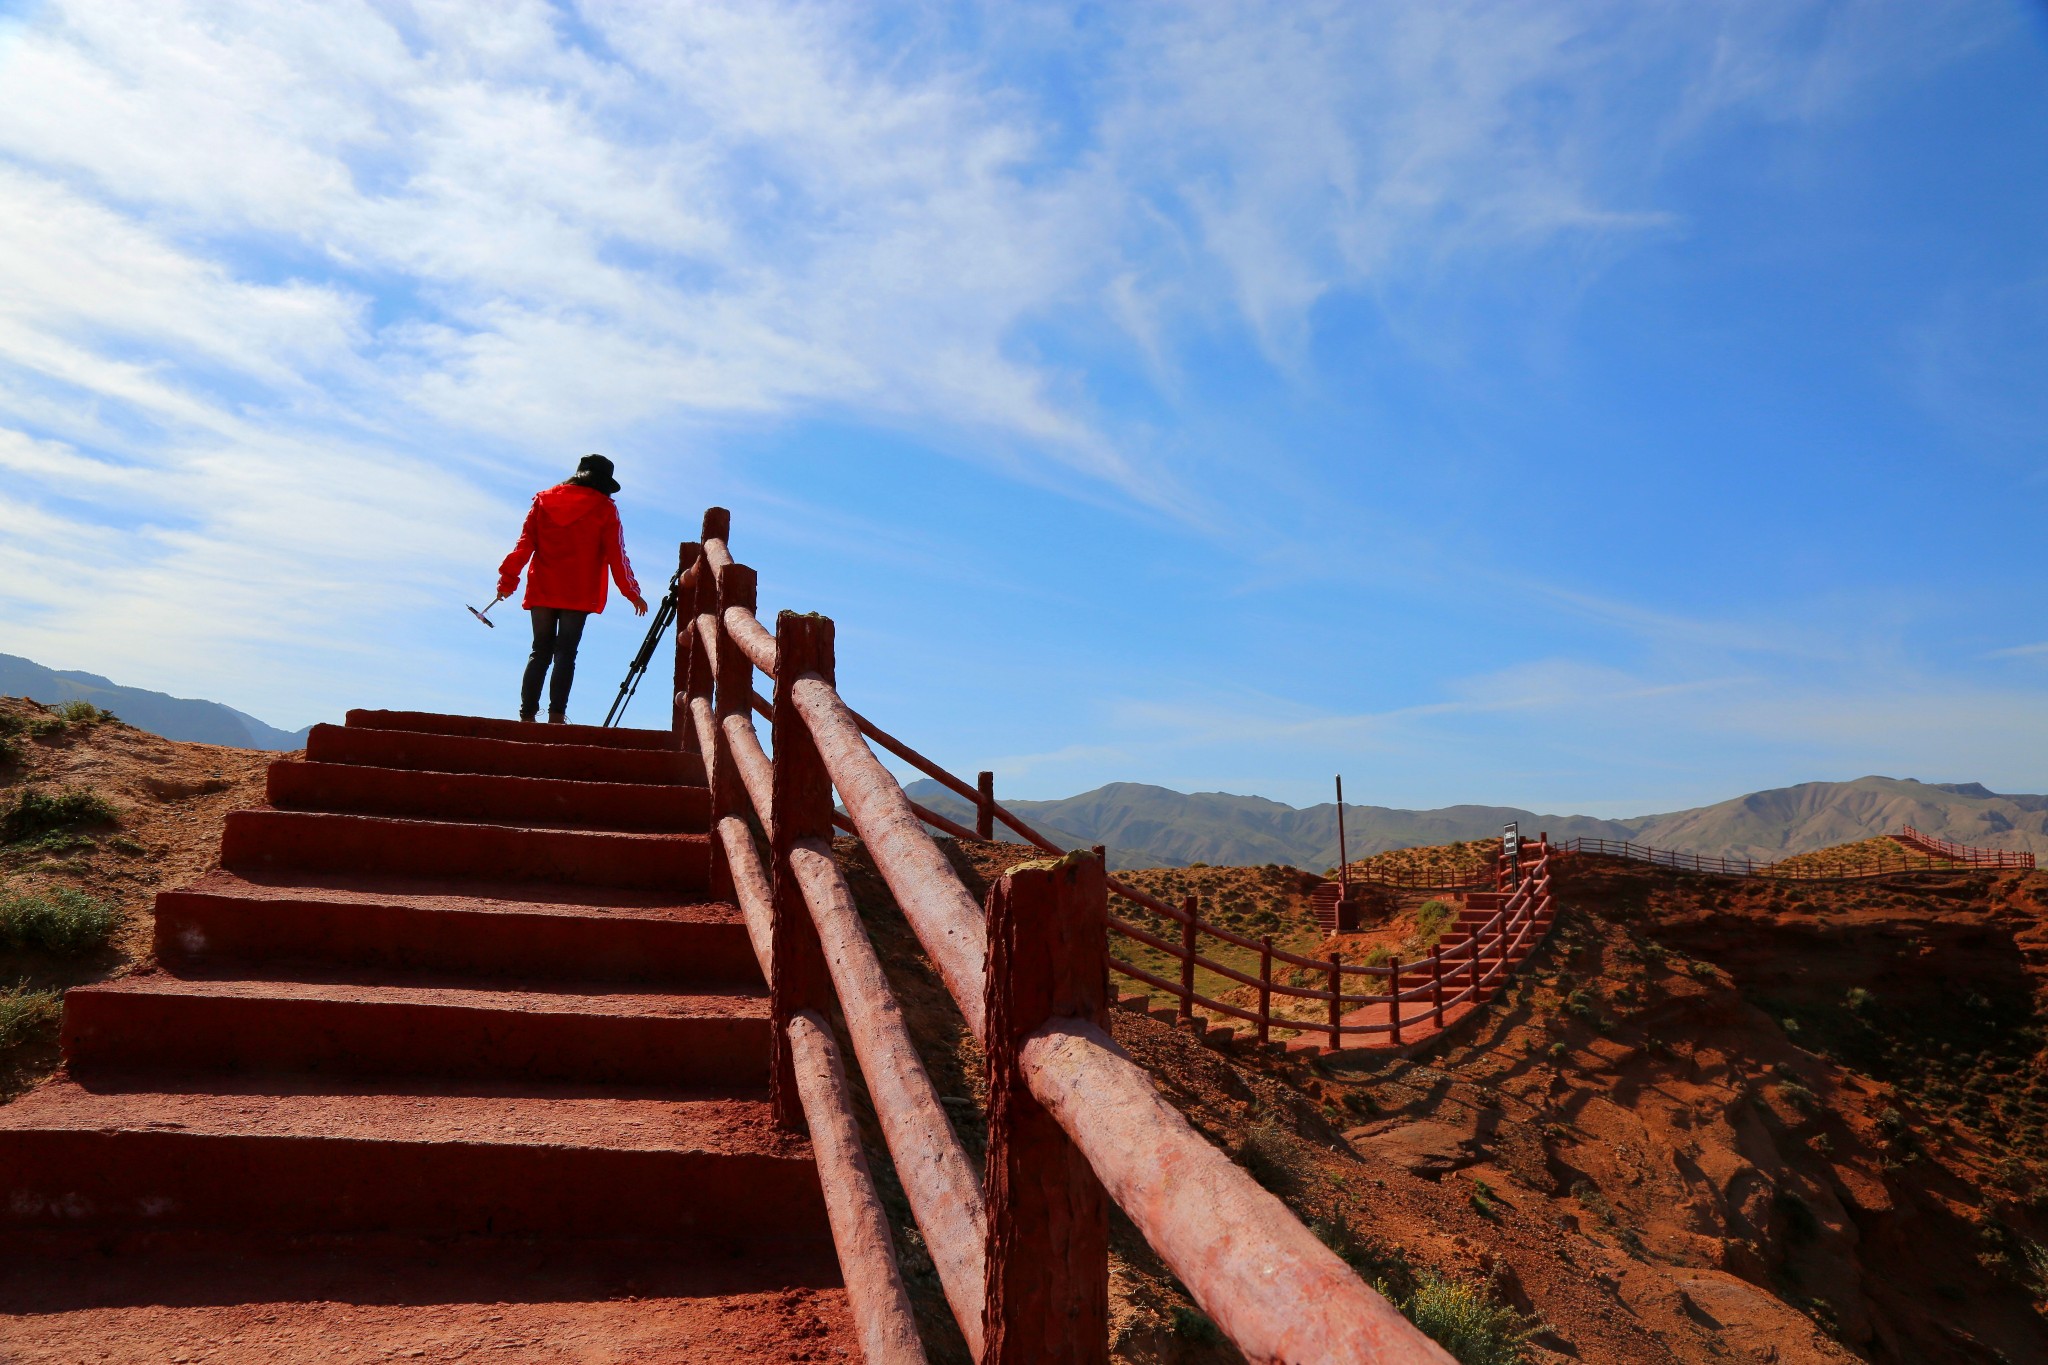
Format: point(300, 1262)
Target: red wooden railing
point(1074, 1123)
point(1962, 853)
point(1879, 863)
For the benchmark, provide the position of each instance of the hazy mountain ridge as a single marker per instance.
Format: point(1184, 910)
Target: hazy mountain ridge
point(183, 718)
point(1147, 826)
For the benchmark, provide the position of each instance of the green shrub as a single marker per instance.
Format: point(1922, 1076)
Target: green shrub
point(84, 713)
point(1799, 1097)
point(25, 1013)
point(64, 921)
point(1465, 1319)
point(11, 723)
point(1189, 1324)
point(34, 811)
point(42, 727)
point(1264, 1154)
point(10, 750)
point(1432, 919)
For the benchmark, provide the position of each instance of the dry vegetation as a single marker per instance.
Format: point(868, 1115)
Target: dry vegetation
point(95, 817)
point(1715, 1120)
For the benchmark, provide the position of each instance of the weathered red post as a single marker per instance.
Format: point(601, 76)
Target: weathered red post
point(1436, 982)
point(687, 648)
point(1394, 994)
point(1336, 999)
point(734, 697)
point(1048, 1217)
point(1265, 988)
point(984, 806)
point(1187, 959)
point(802, 803)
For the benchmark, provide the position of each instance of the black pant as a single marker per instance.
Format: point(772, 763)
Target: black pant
point(556, 633)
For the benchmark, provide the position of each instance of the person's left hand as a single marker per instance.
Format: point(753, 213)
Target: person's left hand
point(639, 606)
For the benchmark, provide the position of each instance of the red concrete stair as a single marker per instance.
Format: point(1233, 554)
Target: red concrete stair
point(263, 840)
point(459, 985)
point(423, 1160)
point(430, 752)
point(554, 802)
point(522, 732)
point(186, 1025)
point(411, 925)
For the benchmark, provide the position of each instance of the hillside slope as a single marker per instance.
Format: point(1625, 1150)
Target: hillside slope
point(1147, 826)
point(181, 718)
point(1714, 1121)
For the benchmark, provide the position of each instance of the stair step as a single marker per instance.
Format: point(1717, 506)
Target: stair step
point(264, 840)
point(523, 732)
point(503, 757)
point(339, 1026)
point(556, 801)
point(454, 927)
point(279, 1154)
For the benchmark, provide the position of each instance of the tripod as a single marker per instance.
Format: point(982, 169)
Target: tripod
point(663, 614)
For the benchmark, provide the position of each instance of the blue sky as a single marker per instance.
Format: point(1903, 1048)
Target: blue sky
point(1585, 406)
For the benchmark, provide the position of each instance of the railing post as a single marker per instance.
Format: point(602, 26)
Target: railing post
point(1187, 960)
point(1265, 988)
point(1336, 1000)
point(1048, 1217)
point(803, 811)
point(734, 696)
point(1394, 994)
point(687, 648)
point(984, 806)
point(1436, 982)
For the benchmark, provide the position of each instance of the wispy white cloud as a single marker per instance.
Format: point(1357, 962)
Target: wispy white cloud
point(294, 298)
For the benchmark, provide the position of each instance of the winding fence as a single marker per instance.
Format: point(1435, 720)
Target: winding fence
point(1962, 853)
point(1801, 867)
point(1021, 1248)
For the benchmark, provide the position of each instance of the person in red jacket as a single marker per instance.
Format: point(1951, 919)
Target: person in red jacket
point(572, 535)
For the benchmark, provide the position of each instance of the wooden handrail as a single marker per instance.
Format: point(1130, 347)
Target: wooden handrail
point(945, 1197)
point(1277, 1292)
point(860, 1227)
point(1267, 1282)
point(941, 913)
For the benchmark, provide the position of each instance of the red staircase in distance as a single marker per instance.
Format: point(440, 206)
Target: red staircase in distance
point(453, 1038)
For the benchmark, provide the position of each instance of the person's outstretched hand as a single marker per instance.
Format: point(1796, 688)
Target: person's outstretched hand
point(639, 606)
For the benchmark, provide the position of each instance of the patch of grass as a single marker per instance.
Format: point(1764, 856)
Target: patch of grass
point(25, 1013)
point(1799, 1097)
point(1191, 1324)
point(64, 921)
point(1800, 1223)
point(1264, 1155)
point(34, 811)
point(10, 751)
point(1468, 1321)
point(84, 713)
point(1431, 919)
point(47, 727)
point(1482, 1200)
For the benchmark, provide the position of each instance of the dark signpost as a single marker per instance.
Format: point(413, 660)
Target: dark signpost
point(1511, 849)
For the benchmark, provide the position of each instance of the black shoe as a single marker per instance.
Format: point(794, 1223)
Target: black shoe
point(558, 717)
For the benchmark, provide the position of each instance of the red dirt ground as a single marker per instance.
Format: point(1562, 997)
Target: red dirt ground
point(1684, 1136)
point(1679, 1138)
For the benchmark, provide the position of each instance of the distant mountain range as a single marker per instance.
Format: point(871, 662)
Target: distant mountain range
point(1145, 826)
point(201, 722)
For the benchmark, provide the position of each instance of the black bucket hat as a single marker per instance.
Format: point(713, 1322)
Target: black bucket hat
point(594, 471)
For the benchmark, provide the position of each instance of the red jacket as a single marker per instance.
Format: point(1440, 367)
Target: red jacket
point(573, 535)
